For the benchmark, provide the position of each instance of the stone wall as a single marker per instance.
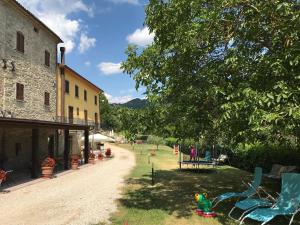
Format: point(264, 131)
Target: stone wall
point(19, 157)
point(30, 68)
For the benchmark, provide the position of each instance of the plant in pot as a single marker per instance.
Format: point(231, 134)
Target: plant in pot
point(47, 167)
point(100, 156)
point(75, 161)
point(92, 158)
point(2, 176)
point(108, 152)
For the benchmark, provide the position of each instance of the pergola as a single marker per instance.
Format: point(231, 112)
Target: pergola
point(35, 125)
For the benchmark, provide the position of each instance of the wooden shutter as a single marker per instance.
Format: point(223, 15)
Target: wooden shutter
point(95, 100)
point(20, 42)
point(20, 91)
point(96, 118)
point(67, 86)
point(47, 99)
point(47, 58)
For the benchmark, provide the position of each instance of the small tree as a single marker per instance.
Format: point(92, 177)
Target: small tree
point(155, 140)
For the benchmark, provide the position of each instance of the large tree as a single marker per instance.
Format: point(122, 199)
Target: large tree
point(226, 69)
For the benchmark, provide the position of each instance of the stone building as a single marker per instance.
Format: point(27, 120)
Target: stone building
point(28, 91)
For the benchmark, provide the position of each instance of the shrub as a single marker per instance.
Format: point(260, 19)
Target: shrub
point(249, 156)
point(171, 141)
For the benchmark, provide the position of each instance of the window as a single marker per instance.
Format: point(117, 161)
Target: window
point(85, 95)
point(20, 92)
point(96, 118)
point(20, 42)
point(67, 86)
point(77, 111)
point(76, 91)
point(85, 116)
point(47, 99)
point(71, 117)
point(47, 58)
point(95, 100)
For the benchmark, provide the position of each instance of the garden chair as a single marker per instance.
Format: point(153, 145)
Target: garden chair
point(287, 203)
point(276, 171)
point(252, 189)
point(249, 204)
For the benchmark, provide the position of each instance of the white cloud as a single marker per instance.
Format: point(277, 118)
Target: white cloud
point(109, 68)
point(118, 99)
point(87, 63)
point(56, 15)
point(133, 2)
point(141, 37)
point(86, 43)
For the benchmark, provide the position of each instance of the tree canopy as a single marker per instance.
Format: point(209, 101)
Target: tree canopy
point(220, 69)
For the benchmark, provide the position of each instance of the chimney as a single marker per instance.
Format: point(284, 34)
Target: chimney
point(62, 55)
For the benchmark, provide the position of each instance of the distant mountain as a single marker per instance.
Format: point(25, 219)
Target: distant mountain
point(136, 103)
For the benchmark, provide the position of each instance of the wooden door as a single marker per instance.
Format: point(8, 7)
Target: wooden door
point(85, 116)
point(71, 116)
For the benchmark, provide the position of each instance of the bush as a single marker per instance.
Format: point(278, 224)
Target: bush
point(171, 141)
point(249, 156)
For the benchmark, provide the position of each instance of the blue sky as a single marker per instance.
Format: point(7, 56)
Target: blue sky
point(96, 34)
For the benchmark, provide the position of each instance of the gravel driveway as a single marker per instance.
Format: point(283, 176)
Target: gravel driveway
point(85, 196)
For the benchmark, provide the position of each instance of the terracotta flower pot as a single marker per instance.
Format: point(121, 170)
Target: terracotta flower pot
point(91, 161)
point(74, 166)
point(75, 156)
point(47, 171)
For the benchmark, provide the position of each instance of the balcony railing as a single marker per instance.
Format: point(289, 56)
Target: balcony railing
point(78, 121)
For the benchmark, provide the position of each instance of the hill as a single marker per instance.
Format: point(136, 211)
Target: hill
point(136, 103)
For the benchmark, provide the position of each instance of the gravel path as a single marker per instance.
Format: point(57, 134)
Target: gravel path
point(86, 196)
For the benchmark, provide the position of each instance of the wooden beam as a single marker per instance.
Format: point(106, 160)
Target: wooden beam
point(86, 146)
point(34, 156)
point(66, 150)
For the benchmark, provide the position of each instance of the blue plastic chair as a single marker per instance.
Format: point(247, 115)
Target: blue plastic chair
point(287, 204)
point(250, 204)
point(252, 190)
point(207, 156)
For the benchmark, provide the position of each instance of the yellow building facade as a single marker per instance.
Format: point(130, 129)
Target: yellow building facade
point(78, 98)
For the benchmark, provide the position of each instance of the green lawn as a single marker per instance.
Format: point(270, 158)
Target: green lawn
point(171, 199)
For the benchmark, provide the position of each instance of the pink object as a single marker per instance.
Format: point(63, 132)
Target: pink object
point(193, 153)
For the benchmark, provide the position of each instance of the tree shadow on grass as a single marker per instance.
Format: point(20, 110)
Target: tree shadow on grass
point(174, 191)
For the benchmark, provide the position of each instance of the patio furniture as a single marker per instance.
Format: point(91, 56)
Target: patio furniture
point(278, 169)
point(275, 172)
point(249, 204)
point(252, 189)
point(287, 203)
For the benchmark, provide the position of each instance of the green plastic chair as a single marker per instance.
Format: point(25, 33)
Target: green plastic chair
point(287, 203)
point(252, 189)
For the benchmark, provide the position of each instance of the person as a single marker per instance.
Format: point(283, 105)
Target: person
point(192, 153)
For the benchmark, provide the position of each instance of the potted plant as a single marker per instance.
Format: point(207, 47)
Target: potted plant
point(47, 167)
point(92, 158)
point(74, 161)
point(108, 152)
point(2, 176)
point(100, 156)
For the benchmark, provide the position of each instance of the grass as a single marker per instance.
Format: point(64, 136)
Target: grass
point(171, 199)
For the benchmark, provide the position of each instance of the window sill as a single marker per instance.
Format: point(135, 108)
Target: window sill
point(21, 101)
point(22, 52)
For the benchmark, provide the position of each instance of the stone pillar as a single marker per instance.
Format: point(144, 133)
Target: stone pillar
point(34, 156)
point(86, 146)
point(66, 150)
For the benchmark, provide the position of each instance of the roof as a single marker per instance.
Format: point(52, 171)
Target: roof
point(15, 122)
point(81, 77)
point(28, 13)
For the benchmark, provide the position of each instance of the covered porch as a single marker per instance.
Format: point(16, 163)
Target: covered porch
point(25, 143)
